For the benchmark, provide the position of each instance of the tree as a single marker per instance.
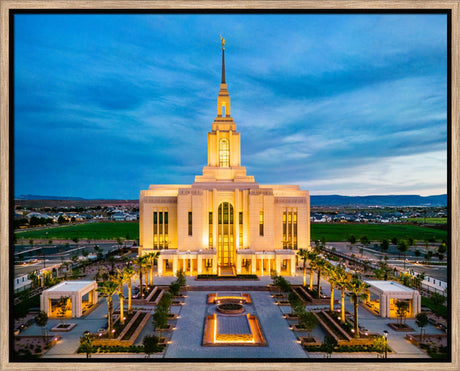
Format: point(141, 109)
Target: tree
point(333, 275)
point(63, 306)
point(160, 319)
point(402, 248)
point(357, 289)
point(379, 345)
point(107, 289)
point(402, 308)
point(429, 255)
point(129, 272)
point(181, 277)
point(62, 220)
point(141, 261)
point(75, 239)
point(320, 266)
point(437, 299)
point(421, 321)
point(364, 240)
point(303, 254)
point(384, 245)
point(394, 240)
point(312, 256)
point(352, 240)
point(308, 321)
point(410, 241)
point(86, 345)
point(294, 301)
point(417, 253)
point(41, 320)
point(174, 288)
point(329, 343)
point(342, 281)
point(152, 257)
point(150, 343)
point(121, 278)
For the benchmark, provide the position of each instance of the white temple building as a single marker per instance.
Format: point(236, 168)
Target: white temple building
point(224, 223)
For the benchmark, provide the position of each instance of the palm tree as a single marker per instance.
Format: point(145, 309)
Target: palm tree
point(140, 262)
point(332, 275)
point(152, 257)
point(303, 254)
point(357, 288)
point(129, 272)
point(121, 278)
point(312, 256)
point(107, 289)
point(342, 281)
point(320, 266)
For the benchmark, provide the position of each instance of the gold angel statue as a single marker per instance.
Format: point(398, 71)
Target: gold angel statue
point(223, 42)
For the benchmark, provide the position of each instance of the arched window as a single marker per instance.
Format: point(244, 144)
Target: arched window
point(224, 153)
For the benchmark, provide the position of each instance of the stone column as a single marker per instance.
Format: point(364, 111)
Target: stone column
point(199, 264)
point(269, 267)
point(253, 263)
point(262, 265)
point(293, 266)
point(214, 265)
point(174, 264)
point(278, 264)
point(160, 266)
point(238, 264)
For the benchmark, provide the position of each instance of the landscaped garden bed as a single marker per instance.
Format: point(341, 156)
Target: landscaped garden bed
point(63, 327)
point(30, 347)
point(401, 327)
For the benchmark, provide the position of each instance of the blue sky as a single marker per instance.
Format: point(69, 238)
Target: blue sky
point(340, 104)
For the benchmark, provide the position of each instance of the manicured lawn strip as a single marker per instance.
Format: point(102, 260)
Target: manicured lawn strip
point(93, 231)
point(332, 232)
point(440, 310)
point(374, 232)
point(223, 278)
point(428, 220)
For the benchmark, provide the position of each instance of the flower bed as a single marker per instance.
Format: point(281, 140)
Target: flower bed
point(230, 308)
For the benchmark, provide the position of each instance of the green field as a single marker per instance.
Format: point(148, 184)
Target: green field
point(428, 220)
point(93, 231)
point(332, 232)
point(374, 232)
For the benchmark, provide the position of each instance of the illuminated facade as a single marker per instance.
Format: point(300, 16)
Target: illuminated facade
point(224, 223)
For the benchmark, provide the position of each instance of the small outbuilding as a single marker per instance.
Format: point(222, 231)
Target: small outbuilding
point(69, 299)
point(383, 296)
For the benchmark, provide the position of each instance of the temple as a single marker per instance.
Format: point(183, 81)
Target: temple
point(224, 223)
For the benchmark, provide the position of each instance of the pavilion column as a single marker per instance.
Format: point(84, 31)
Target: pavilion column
point(214, 264)
point(269, 267)
point(174, 264)
point(191, 266)
point(293, 265)
point(76, 305)
point(253, 263)
point(199, 264)
point(262, 265)
point(278, 264)
point(160, 266)
point(238, 264)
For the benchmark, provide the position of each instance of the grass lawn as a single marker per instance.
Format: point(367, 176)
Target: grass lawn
point(332, 232)
point(428, 220)
point(374, 232)
point(93, 231)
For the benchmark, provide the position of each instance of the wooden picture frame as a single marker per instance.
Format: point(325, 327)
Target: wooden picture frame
point(418, 364)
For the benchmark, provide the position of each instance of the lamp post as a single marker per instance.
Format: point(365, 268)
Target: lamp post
point(386, 343)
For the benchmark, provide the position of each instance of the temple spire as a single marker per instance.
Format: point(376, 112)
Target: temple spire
point(223, 60)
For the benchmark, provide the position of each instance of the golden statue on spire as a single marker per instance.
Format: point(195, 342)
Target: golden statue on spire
point(223, 41)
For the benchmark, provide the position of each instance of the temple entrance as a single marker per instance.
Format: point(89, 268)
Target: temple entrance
point(225, 238)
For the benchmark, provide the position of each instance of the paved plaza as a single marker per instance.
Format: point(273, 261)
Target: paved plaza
point(186, 339)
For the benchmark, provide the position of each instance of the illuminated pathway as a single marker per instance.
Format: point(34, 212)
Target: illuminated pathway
point(187, 338)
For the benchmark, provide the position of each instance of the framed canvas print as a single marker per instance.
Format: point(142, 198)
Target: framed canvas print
point(235, 185)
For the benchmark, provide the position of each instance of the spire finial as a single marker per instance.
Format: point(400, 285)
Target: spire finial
point(223, 59)
point(223, 42)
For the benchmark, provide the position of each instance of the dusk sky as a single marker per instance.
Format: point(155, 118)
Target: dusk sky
point(106, 105)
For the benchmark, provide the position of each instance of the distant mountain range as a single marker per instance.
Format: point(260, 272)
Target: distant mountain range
point(320, 200)
point(36, 197)
point(390, 200)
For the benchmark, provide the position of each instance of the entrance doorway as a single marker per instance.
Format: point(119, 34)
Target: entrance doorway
point(225, 238)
